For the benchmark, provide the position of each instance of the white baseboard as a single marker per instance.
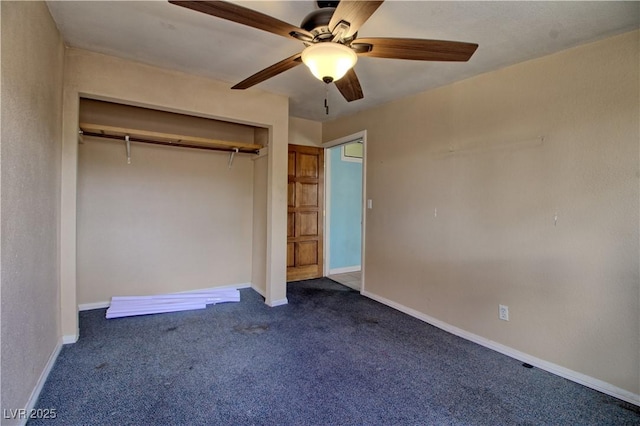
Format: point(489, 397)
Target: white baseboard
point(35, 393)
point(278, 302)
point(354, 268)
point(222, 287)
point(70, 338)
point(274, 303)
point(558, 370)
point(102, 305)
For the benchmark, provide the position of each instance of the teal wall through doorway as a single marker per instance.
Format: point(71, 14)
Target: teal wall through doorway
point(345, 209)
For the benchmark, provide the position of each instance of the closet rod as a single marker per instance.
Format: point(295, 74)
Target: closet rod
point(179, 144)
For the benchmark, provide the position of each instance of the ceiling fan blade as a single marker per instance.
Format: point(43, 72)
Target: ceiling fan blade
point(415, 49)
point(355, 13)
point(272, 71)
point(349, 86)
point(245, 16)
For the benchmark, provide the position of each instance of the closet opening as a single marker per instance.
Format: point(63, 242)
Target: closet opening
point(167, 203)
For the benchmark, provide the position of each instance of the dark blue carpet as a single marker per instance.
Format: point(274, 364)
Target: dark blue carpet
point(330, 357)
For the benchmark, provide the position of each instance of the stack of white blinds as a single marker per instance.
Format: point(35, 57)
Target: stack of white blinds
point(126, 306)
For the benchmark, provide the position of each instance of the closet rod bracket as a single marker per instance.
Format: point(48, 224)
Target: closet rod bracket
point(231, 155)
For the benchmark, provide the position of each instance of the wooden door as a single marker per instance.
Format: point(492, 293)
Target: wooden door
point(305, 218)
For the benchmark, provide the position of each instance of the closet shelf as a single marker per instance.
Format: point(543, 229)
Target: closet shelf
point(167, 139)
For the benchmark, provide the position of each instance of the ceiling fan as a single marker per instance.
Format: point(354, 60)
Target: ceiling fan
point(330, 35)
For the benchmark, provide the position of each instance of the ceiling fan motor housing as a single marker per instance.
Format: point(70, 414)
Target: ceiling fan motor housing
point(317, 23)
point(333, 4)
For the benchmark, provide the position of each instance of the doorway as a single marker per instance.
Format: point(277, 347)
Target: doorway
point(344, 211)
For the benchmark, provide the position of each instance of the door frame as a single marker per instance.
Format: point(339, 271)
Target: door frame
point(361, 135)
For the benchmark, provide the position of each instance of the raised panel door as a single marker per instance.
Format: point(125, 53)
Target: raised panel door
point(305, 213)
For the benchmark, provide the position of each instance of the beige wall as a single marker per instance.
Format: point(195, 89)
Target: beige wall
point(32, 64)
point(305, 132)
point(471, 151)
point(174, 219)
point(108, 78)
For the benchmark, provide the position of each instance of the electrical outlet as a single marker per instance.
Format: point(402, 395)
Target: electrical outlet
point(503, 312)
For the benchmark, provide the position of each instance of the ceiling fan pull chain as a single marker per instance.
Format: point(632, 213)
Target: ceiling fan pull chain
point(326, 99)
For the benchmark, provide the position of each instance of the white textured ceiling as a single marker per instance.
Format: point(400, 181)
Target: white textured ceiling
point(161, 34)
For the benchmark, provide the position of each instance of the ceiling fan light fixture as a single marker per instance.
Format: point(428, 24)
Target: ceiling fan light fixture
point(329, 61)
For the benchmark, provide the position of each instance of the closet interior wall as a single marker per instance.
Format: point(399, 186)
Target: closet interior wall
point(174, 219)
